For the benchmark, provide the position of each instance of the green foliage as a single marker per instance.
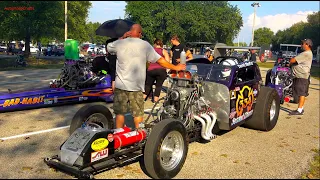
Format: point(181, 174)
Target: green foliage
point(242, 44)
point(45, 21)
point(78, 12)
point(263, 36)
point(213, 21)
point(299, 31)
point(91, 31)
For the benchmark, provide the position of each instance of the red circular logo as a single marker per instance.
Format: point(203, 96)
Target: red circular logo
point(110, 137)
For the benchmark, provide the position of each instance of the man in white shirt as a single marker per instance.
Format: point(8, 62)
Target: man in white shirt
point(301, 71)
point(132, 56)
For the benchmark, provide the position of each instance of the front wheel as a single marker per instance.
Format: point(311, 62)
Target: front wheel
point(166, 150)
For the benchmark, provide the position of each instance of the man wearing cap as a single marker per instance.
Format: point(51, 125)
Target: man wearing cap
point(301, 71)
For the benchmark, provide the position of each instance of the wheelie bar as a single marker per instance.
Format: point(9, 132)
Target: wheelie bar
point(87, 171)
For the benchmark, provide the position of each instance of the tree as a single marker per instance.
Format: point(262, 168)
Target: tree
point(190, 20)
point(43, 19)
point(312, 29)
point(299, 31)
point(92, 37)
point(78, 12)
point(263, 36)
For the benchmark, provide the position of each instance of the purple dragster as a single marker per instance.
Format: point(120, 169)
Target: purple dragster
point(77, 84)
point(280, 78)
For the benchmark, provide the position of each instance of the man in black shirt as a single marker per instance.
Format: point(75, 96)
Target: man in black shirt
point(107, 63)
point(177, 49)
point(112, 62)
point(253, 56)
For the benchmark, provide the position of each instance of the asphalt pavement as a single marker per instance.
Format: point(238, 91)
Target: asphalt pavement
point(241, 153)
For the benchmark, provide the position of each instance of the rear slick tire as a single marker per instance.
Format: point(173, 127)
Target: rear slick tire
point(266, 111)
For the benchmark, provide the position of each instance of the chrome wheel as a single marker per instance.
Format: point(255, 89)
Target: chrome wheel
point(171, 150)
point(273, 109)
point(97, 119)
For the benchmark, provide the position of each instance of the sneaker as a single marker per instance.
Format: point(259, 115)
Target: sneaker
point(296, 112)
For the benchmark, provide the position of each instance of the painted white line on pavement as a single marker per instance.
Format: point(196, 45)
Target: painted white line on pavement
point(47, 130)
point(33, 133)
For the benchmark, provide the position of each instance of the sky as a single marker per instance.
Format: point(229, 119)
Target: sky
point(276, 15)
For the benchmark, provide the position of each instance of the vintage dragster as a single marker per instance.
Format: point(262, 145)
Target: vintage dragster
point(76, 84)
point(200, 101)
point(280, 78)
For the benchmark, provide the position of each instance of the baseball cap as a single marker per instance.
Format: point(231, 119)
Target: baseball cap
point(307, 41)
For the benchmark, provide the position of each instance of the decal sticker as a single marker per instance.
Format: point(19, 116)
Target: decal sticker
point(241, 118)
point(233, 95)
point(237, 88)
point(245, 100)
point(232, 114)
point(47, 101)
point(99, 144)
point(81, 98)
point(250, 63)
point(27, 100)
point(110, 137)
point(95, 156)
point(55, 99)
point(102, 92)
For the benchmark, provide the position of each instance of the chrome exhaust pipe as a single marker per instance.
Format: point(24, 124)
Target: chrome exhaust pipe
point(203, 128)
point(214, 120)
point(209, 122)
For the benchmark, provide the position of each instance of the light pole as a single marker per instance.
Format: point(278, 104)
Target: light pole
point(65, 20)
point(254, 5)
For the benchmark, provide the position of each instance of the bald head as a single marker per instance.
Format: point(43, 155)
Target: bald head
point(136, 31)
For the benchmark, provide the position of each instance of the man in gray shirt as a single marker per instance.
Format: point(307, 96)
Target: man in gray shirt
point(133, 54)
point(301, 71)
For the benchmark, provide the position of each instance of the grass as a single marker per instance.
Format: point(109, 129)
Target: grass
point(315, 70)
point(314, 170)
point(7, 64)
point(268, 65)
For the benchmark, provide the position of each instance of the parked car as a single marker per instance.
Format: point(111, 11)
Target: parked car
point(32, 49)
point(48, 51)
point(102, 49)
point(60, 51)
point(3, 47)
point(89, 48)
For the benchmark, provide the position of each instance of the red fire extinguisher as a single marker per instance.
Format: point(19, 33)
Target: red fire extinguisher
point(127, 138)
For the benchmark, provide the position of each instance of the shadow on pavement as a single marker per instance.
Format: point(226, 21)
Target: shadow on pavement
point(285, 109)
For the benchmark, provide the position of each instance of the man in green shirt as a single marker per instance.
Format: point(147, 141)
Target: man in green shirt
point(301, 71)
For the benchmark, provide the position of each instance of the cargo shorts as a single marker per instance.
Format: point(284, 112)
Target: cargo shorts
point(301, 87)
point(132, 99)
